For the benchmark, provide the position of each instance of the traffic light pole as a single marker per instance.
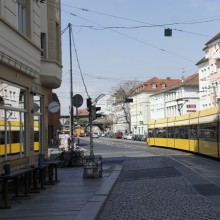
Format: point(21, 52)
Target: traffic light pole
point(71, 90)
point(91, 133)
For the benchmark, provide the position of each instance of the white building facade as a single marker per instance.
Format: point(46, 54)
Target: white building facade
point(140, 107)
point(139, 110)
point(209, 74)
point(179, 100)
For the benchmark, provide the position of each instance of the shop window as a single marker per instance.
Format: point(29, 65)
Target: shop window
point(13, 124)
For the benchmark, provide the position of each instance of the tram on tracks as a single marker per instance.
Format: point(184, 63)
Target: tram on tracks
point(197, 132)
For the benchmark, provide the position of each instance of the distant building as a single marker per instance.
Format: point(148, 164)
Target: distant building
point(176, 100)
point(209, 74)
point(140, 107)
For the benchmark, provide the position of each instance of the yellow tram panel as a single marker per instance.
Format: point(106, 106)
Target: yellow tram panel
point(162, 142)
point(210, 111)
point(208, 148)
point(194, 146)
point(170, 121)
point(182, 144)
point(171, 142)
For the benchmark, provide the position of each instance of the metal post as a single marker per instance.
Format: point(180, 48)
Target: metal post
point(71, 86)
point(91, 134)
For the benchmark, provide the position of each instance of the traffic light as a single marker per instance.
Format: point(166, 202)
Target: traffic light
point(94, 114)
point(89, 104)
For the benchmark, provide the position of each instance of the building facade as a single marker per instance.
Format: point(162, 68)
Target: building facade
point(209, 74)
point(30, 66)
point(140, 107)
point(177, 100)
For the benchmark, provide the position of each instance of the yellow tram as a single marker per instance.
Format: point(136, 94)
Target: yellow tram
point(198, 132)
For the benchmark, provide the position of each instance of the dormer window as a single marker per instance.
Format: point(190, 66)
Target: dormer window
point(163, 85)
point(154, 86)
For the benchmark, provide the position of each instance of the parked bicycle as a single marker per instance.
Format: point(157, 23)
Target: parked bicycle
point(70, 158)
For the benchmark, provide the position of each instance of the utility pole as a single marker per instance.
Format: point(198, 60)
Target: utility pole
point(71, 88)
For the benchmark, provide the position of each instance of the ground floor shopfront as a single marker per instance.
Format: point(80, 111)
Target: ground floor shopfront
point(23, 116)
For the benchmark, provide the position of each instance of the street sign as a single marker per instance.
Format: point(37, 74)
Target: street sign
point(53, 107)
point(77, 100)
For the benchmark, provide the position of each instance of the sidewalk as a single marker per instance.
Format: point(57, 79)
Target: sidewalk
point(71, 198)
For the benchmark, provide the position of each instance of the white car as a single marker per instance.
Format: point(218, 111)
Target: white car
point(129, 137)
point(95, 135)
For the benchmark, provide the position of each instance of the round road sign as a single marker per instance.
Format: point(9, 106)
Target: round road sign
point(77, 100)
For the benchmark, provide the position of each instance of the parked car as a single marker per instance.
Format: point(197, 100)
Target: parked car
point(118, 135)
point(95, 135)
point(144, 138)
point(137, 137)
point(129, 137)
point(125, 136)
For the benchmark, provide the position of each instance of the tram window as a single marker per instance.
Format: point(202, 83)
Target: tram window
point(193, 131)
point(15, 137)
point(151, 133)
point(36, 136)
point(183, 132)
point(2, 137)
point(176, 132)
point(170, 132)
point(160, 132)
point(208, 131)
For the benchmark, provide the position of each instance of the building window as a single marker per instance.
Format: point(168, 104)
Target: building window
point(163, 86)
point(154, 86)
point(21, 15)
point(43, 44)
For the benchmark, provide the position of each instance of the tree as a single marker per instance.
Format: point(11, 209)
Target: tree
point(121, 108)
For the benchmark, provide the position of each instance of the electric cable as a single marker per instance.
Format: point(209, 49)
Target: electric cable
point(77, 58)
point(138, 40)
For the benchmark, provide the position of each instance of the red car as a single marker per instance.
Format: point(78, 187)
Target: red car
point(118, 135)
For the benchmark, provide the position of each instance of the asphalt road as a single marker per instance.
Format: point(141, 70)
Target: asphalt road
point(159, 183)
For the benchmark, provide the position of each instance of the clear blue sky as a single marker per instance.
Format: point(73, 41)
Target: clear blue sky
point(124, 48)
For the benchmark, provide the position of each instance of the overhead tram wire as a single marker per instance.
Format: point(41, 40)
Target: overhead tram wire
point(138, 40)
point(197, 21)
point(77, 58)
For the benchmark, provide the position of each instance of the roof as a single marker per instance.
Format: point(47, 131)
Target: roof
point(203, 60)
point(217, 36)
point(159, 85)
point(192, 80)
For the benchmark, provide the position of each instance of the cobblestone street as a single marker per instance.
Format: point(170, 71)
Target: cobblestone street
point(153, 189)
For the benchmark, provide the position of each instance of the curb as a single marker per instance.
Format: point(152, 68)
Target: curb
point(93, 206)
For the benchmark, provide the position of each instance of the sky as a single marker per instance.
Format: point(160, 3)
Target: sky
point(118, 40)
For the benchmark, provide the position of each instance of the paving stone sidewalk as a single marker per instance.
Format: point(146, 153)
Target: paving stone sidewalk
point(158, 188)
